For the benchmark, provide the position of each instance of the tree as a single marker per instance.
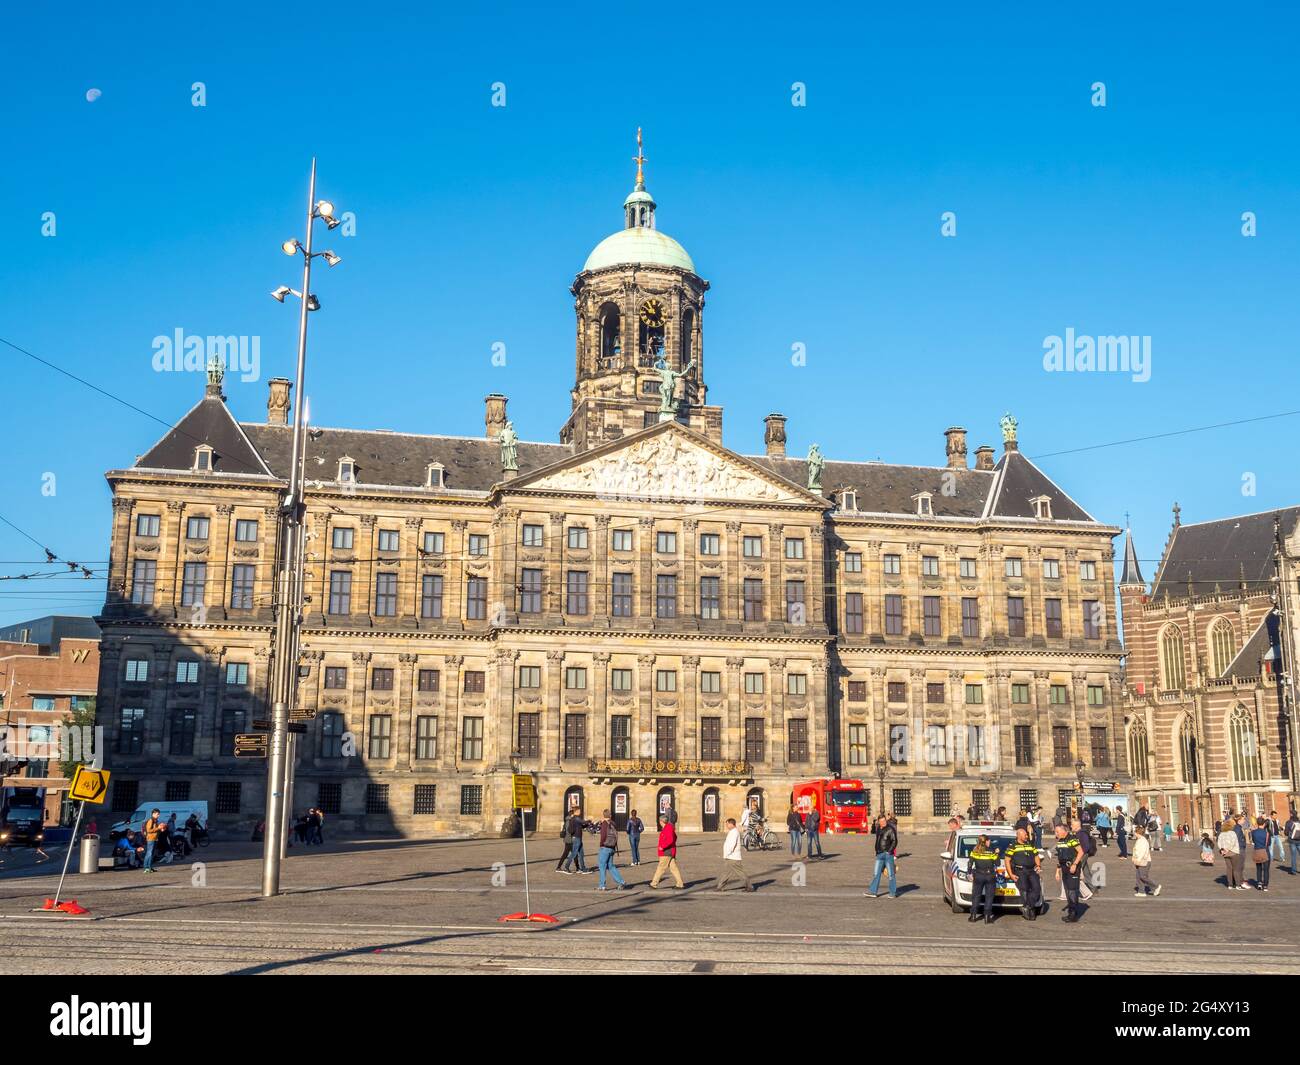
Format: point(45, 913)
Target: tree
point(81, 723)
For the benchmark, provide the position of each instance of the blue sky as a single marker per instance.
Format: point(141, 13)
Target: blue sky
point(817, 225)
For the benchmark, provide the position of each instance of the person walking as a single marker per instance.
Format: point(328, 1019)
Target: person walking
point(1155, 830)
point(733, 859)
point(1144, 885)
point(1230, 850)
point(1069, 857)
point(1024, 867)
point(794, 825)
point(1239, 827)
point(1261, 839)
point(886, 842)
point(1103, 826)
point(1036, 826)
point(635, 826)
point(562, 866)
point(152, 827)
point(1293, 838)
point(1121, 832)
point(812, 826)
point(1275, 837)
point(608, 848)
point(1086, 843)
point(667, 853)
point(576, 856)
point(984, 861)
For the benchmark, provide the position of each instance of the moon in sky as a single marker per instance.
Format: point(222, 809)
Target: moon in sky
point(92, 95)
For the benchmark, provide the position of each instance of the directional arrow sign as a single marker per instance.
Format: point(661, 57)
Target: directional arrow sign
point(89, 785)
point(250, 745)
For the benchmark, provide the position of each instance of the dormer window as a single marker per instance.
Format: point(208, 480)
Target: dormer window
point(848, 500)
point(923, 507)
point(347, 470)
point(434, 475)
point(203, 459)
point(1042, 507)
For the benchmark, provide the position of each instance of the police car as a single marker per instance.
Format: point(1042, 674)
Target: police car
point(957, 883)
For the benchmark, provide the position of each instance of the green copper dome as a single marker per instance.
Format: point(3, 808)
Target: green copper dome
point(641, 246)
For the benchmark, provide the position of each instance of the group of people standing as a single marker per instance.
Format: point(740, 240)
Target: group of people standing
point(1236, 834)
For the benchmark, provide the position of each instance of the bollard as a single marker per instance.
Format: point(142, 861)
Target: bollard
point(89, 855)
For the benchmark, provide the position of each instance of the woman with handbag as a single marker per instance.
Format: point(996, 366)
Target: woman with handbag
point(1259, 838)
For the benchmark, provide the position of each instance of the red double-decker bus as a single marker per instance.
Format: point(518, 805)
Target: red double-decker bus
point(844, 805)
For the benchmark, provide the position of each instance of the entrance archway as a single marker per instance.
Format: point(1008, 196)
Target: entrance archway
point(710, 813)
point(666, 803)
point(620, 802)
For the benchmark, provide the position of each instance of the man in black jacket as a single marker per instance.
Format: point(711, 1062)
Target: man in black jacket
point(886, 844)
point(812, 825)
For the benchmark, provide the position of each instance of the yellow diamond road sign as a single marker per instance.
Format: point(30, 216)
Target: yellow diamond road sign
point(89, 785)
point(525, 796)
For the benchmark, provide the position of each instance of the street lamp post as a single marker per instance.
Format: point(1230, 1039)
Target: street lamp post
point(1079, 767)
point(882, 767)
point(288, 606)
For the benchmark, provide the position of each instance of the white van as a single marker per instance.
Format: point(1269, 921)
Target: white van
point(182, 810)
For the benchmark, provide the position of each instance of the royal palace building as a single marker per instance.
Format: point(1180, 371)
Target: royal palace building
point(636, 615)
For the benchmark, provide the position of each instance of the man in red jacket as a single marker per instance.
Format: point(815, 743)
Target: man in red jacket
point(667, 853)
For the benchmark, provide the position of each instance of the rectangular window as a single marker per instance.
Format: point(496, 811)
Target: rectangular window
point(1028, 798)
point(1100, 746)
point(1052, 615)
point(898, 744)
point(329, 796)
point(796, 612)
point(126, 795)
point(575, 735)
point(857, 691)
point(195, 583)
point(478, 544)
point(711, 682)
point(1020, 694)
point(232, 723)
point(622, 539)
point(665, 680)
point(476, 598)
point(976, 752)
point(970, 617)
point(930, 615)
point(934, 692)
point(1061, 746)
point(144, 582)
point(902, 800)
point(389, 540)
point(853, 613)
point(711, 739)
point(340, 591)
point(336, 676)
point(620, 680)
point(196, 529)
point(529, 743)
point(969, 568)
point(857, 745)
point(793, 547)
point(1096, 695)
point(753, 547)
point(753, 683)
point(797, 733)
point(381, 733)
point(1024, 740)
point(936, 745)
point(710, 544)
point(471, 800)
point(1058, 695)
point(341, 538)
point(431, 595)
point(331, 735)
point(229, 795)
point(1013, 567)
point(853, 562)
point(666, 595)
point(1092, 618)
point(796, 684)
point(147, 524)
point(530, 677)
point(1052, 569)
point(753, 591)
point(666, 739)
point(532, 536)
point(577, 537)
point(435, 543)
point(181, 741)
point(929, 565)
point(710, 598)
point(620, 736)
point(428, 680)
point(575, 599)
point(381, 679)
point(620, 600)
point(385, 595)
point(376, 798)
point(187, 672)
point(893, 615)
point(979, 798)
point(130, 736)
point(1087, 570)
point(471, 739)
point(426, 799)
point(137, 670)
point(426, 737)
point(974, 694)
point(575, 678)
point(754, 744)
point(896, 691)
point(1015, 615)
point(666, 543)
point(942, 799)
point(241, 587)
point(892, 564)
point(530, 591)
point(236, 674)
point(245, 531)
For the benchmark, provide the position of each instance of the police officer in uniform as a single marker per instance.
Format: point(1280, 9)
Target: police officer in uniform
point(1069, 853)
point(984, 862)
point(1023, 867)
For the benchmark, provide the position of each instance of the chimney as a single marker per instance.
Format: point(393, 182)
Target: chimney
point(277, 401)
point(984, 457)
point(494, 419)
point(774, 435)
point(956, 448)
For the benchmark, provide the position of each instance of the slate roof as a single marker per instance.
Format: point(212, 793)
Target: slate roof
point(1262, 645)
point(1211, 553)
point(209, 422)
point(1019, 481)
point(1132, 573)
point(888, 489)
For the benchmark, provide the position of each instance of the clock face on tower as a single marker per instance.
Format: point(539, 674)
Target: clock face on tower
point(652, 313)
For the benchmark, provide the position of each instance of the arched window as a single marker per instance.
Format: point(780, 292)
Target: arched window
point(687, 338)
point(610, 341)
point(1139, 752)
point(1187, 751)
point(1172, 676)
point(1243, 746)
point(1223, 646)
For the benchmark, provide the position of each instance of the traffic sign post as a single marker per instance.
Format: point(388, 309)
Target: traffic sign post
point(251, 745)
point(88, 785)
point(524, 799)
